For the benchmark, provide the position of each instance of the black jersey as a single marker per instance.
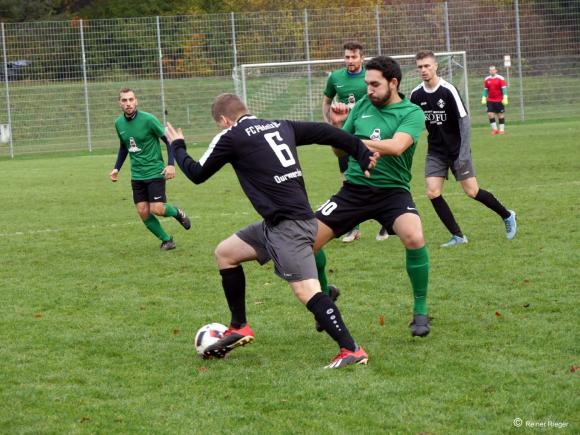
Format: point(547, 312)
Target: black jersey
point(263, 155)
point(444, 110)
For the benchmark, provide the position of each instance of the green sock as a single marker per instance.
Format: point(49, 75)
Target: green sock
point(153, 225)
point(418, 270)
point(170, 211)
point(320, 258)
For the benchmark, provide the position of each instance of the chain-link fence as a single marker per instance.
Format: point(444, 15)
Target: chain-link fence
point(61, 79)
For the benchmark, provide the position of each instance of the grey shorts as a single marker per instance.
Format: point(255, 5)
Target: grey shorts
point(288, 244)
point(439, 167)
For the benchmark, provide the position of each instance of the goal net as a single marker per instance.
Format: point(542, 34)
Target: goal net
point(294, 90)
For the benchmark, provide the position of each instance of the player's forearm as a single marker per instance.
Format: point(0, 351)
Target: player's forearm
point(170, 157)
point(121, 156)
point(386, 147)
point(192, 169)
point(326, 111)
point(485, 92)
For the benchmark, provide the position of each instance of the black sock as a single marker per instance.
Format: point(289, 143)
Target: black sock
point(490, 201)
point(234, 284)
point(446, 215)
point(328, 316)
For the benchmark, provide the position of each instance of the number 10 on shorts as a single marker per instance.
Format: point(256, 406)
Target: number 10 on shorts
point(327, 208)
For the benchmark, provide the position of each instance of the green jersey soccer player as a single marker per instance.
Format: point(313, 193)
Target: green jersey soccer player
point(388, 123)
point(139, 133)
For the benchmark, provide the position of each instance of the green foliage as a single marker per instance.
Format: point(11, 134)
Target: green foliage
point(96, 324)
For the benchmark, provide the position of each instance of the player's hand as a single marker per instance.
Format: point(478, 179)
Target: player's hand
point(114, 175)
point(373, 159)
point(483, 100)
point(173, 134)
point(169, 172)
point(504, 100)
point(338, 114)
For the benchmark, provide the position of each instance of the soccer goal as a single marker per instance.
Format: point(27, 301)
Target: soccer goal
point(293, 90)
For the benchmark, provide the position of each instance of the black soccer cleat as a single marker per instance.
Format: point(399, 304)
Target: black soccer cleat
point(232, 338)
point(167, 245)
point(183, 219)
point(420, 326)
point(333, 293)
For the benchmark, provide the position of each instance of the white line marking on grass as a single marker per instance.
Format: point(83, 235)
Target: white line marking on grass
point(123, 224)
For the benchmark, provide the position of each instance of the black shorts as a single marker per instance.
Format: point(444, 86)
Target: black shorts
point(343, 163)
point(495, 107)
point(149, 190)
point(354, 204)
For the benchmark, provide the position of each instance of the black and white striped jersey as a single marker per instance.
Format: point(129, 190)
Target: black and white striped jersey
point(263, 155)
point(443, 109)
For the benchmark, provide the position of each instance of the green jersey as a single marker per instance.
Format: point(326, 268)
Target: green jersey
point(140, 136)
point(366, 121)
point(348, 88)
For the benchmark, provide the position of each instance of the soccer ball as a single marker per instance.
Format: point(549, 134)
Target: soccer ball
point(208, 335)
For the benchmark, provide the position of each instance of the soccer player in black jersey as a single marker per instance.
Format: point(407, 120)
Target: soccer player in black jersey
point(263, 155)
point(449, 148)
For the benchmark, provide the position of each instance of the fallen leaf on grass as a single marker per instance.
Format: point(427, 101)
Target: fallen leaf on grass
point(258, 302)
point(526, 281)
point(176, 332)
point(573, 368)
point(84, 420)
point(37, 315)
point(202, 369)
point(526, 305)
point(497, 314)
point(382, 320)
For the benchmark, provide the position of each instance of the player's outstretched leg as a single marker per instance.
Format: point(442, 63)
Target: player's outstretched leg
point(233, 337)
point(167, 245)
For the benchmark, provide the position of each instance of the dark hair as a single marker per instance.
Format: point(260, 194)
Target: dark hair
point(125, 90)
point(228, 105)
point(425, 53)
point(388, 66)
point(353, 45)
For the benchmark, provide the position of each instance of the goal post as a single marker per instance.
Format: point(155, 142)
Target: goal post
point(294, 90)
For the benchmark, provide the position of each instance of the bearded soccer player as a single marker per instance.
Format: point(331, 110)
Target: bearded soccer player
point(347, 85)
point(449, 148)
point(496, 97)
point(264, 156)
point(388, 123)
point(139, 133)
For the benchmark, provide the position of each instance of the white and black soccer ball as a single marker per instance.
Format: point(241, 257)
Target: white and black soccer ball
point(208, 335)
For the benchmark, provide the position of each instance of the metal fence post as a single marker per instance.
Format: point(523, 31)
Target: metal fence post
point(234, 52)
point(447, 41)
point(378, 24)
point(307, 46)
point(7, 86)
point(84, 65)
point(519, 54)
point(163, 110)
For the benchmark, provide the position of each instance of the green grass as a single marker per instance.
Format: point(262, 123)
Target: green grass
point(96, 324)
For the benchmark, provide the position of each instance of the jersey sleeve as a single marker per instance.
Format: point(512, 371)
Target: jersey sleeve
point(157, 127)
point(413, 124)
point(219, 152)
point(330, 91)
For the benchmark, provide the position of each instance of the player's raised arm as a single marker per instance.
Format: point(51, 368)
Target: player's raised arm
point(324, 134)
point(197, 171)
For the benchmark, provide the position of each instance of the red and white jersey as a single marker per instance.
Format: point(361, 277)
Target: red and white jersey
point(494, 84)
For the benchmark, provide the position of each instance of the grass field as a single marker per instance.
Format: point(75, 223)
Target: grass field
point(96, 324)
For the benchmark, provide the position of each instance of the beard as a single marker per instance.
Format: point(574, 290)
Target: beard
point(380, 102)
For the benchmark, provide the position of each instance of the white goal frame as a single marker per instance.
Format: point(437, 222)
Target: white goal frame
point(240, 73)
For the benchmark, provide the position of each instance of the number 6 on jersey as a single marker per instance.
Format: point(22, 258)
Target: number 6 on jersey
point(281, 150)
